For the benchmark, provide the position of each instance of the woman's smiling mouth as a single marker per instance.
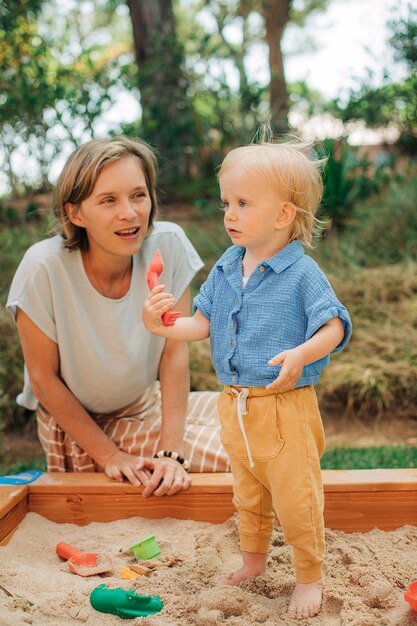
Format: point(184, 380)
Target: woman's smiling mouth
point(128, 233)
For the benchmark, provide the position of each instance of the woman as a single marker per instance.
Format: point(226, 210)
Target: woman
point(91, 368)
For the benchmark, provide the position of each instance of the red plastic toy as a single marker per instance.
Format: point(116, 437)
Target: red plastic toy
point(411, 595)
point(152, 273)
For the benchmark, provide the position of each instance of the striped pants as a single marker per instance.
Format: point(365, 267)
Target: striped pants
point(135, 430)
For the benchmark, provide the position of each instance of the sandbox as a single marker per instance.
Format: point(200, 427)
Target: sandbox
point(367, 570)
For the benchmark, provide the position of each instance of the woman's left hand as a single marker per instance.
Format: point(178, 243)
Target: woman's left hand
point(168, 477)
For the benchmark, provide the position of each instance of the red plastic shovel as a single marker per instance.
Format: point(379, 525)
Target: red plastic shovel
point(84, 563)
point(154, 270)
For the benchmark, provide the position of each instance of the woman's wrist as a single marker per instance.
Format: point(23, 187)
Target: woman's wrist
point(172, 454)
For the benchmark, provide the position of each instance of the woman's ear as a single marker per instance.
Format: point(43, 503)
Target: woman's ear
point(73, 214)
point(286, 215)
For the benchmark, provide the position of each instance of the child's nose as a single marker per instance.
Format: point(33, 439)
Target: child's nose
point(231, 214)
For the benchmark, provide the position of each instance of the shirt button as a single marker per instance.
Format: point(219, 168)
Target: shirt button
point(262, 269)
point(232, 343)
point(238, 301)
point(234, 379)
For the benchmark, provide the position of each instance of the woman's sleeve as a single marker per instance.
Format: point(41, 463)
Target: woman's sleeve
point(185, 261)
point(31, 292)
point(321, 305)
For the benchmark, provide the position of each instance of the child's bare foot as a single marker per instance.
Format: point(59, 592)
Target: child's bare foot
point(305, 600)
point(254, 564)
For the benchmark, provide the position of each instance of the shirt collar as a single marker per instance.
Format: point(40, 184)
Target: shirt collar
point(278, 263)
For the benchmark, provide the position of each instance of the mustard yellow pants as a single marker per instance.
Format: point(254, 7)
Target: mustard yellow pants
point(274, 441)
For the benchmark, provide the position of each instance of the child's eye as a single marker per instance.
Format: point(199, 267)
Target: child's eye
point(242, 203)
point(224, 206)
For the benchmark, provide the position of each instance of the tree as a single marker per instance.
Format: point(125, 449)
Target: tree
point(258, 22)
point(167, 120)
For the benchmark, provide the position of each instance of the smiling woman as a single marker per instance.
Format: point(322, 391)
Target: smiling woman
point(91, 368)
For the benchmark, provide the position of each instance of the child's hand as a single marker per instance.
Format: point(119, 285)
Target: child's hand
point(292, 363)
point(157, 303)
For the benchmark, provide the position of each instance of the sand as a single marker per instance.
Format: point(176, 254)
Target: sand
point(366, 575)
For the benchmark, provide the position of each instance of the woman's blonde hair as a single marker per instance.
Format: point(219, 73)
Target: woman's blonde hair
point(290, 167)
point(80, 174)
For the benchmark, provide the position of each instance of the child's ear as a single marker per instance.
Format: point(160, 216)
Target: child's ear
point(73, 214)
point(286, 215)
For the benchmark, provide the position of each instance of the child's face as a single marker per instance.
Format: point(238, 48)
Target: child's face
point(252, 209)
point(116, 214)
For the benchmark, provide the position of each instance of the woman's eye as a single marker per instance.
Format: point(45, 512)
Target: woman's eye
point(140, 194)
point(107, 201)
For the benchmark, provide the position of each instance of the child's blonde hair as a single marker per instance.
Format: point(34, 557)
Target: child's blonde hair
point(290, 167)
point(80, 174)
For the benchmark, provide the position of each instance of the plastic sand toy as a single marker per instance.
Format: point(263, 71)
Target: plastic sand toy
point(126, 604)
point(84, 563)
point(146, 549)
point(21, 479)
point(411, 595)
point(154, 270)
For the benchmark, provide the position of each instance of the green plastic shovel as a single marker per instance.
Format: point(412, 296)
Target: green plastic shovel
point(126, 604)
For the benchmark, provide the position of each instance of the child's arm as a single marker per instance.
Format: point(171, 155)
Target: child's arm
point(292, 361)
point(158, 302)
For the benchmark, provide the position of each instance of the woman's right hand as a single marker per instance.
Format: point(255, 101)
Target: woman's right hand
point(122, 465)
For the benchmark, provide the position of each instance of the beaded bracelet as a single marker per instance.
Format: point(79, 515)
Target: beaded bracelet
point(173, 455)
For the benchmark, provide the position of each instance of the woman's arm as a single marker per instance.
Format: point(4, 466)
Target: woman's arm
point(41, 356)
point(174, 377)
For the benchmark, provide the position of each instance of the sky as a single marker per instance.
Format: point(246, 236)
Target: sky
point(351, 36)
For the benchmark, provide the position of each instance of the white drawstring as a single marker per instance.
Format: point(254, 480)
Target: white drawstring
point(242, 396)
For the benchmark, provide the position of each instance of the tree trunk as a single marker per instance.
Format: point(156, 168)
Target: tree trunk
point(166, 112)
point(276, 16)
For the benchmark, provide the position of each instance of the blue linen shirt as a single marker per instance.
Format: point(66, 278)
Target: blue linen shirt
point(286, 300)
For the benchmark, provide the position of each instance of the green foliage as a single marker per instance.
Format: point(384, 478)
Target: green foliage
point(51, 90)
point(370, 458)
point(347, 178)
point(13, 464)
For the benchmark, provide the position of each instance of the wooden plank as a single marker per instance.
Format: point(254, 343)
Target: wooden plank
point(357, 511)
point(9, 520)
point(89, 507)
point(355, 500)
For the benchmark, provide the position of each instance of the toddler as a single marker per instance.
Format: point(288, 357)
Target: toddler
point(273, 319)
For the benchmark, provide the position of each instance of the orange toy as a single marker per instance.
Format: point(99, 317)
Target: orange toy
point(411, 595)
point(154, 270)
point(84, 563)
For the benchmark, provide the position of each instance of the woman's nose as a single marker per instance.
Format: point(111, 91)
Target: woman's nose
point(127, 210)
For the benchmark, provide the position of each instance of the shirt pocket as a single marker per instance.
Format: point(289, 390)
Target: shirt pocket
point(261, 427)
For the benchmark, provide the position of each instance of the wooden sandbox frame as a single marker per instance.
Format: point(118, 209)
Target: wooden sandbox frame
point(355, 500)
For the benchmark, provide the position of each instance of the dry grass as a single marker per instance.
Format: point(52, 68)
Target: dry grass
point(377, 372)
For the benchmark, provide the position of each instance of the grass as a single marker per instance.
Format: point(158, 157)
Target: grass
point(15, 465)
point(369, 458)
point(388, 457)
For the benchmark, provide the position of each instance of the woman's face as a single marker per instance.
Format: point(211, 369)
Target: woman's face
point(116, 214)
